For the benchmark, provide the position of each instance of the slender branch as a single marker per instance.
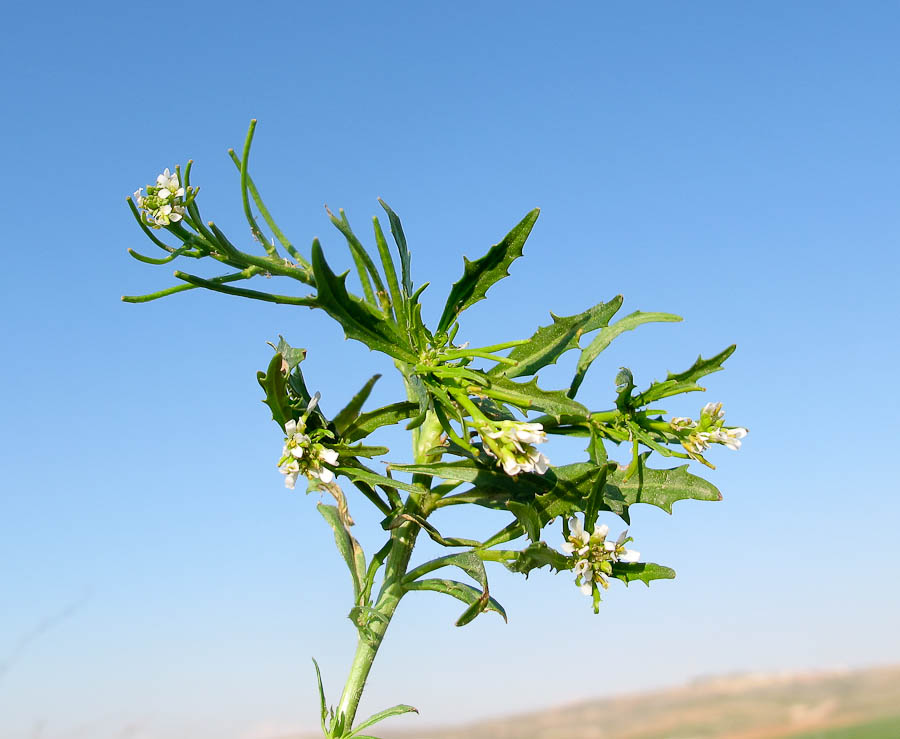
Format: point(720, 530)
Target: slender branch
point(242, 275)
point(309, 302)
point(267, 216)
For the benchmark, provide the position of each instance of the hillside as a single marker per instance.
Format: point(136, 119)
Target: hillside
point(832, 705)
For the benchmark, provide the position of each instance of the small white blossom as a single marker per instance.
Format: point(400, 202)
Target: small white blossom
point(713, 411)
point(164, 202)
point(512, 443)
point(594, 556)
point(291, 470)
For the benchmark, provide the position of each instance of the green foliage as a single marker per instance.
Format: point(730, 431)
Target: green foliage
point(350, 412)
point(480, 275)
point(549, 343)
point(606, 337)
point(471, 416)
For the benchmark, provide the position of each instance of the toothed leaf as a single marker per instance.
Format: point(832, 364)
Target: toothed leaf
point(605, 338)
point(685, 382)
point(359, 320)
point(549, 343)
point(644, 571)
point(478, 276)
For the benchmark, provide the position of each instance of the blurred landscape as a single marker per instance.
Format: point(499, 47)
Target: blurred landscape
point(830, 705)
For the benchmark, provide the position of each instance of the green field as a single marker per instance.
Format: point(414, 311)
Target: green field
point(888, 728)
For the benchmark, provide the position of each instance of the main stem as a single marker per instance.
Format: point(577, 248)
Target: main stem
point(403, 537)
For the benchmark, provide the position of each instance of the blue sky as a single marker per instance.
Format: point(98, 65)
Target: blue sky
point(735, 165)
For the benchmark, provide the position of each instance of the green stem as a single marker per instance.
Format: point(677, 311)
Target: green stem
point(403, 539)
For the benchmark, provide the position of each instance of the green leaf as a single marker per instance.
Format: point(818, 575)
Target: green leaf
point(359, 320)
point(528, 396)
point(324, 708)
point(366, 423)
point(459, 590)
point(479, 275)
point(605, 338)
point(567, 489)
point(381, 715)
point(345, 450)
point(348, 546)
point(360, 255)
point(292, 356)
point(644, 571)
point(661, 488)
point(373, 478)
point(397, 299)
point(397, 518)
point(272, 381)
point(685, 382)
point(351, 411)
point(468, 470)
point(527, 517)
point(400, 240)
point(549, 343)
point(469, 563)
point(535, 556)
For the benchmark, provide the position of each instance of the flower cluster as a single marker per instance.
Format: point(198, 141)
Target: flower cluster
point(303, 454)
point(708, 430)
point(512, 443)
point(164, 202)
point(594, 556)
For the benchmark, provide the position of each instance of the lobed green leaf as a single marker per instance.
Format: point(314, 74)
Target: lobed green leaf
point(359, 320)
point(684, 382)
point(606, 337)
point(644, 571)
point(480, 275)
point(549, 343)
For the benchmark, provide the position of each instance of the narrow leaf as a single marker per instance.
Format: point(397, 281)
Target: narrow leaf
point(461, 591)
point(549, 343)
point(350, 412)
point(479, 275)
point(606, 337)
point(528, 396)
point(402, 249)
point(366, 423)
point(373, 478)
point(644, 571)
point(323, 707)
point(346, 545)
point(359, 320)
point(381, 715)
point(685, 382)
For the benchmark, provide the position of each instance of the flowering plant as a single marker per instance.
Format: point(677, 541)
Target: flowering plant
point(475, 422)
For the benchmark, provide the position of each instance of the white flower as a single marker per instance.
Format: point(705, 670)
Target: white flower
point(512, 442)
point(167, 180)
point(713, 411)
point(296, 440)
point(581, 568)
point(682, 422)
point(578, 538)
point(291, 471)
point(586, 587)
point(732, 437)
